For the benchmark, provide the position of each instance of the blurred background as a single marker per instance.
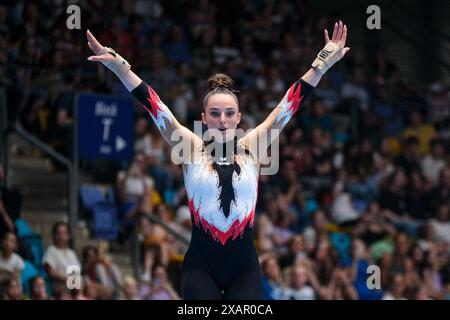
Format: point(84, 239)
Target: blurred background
point(364, 167)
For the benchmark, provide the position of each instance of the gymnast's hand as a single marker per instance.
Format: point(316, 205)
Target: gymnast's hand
point(107, 56)
point(334, 49)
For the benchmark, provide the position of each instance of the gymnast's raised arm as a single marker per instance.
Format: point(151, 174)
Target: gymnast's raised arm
point(333, 51)
point(159, 112)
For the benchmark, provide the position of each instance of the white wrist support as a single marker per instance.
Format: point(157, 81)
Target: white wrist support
point(119, 65)
point(328, 56)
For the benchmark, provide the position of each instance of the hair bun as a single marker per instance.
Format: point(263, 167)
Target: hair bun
point(220, 80)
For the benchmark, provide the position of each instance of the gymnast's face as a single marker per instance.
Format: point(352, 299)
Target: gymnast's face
point(222, 113)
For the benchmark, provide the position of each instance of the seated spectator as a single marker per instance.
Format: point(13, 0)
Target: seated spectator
point(160, 287)
point(328, 95)
point(325, 259)
point(272, 282)
point(10, 288)
point(85, 292)
point(134, 189)
point(130, 288)
point(9, 259)
point(433, 163)
point(396, 288)
point(296, 249)
point(314, 231)
point(343, 211)
point(438, 103)
point(317, 117)
point(441, 224)
point(297, 288)
point(133, 184)
point(58, 257)
point(422, 131)
point(411, 276)
point(441, 192)
point(395, 262)
point(265, 226)
point(91, 266)
point(159, 245)
point(143, 140)
point(108, 271)
point(38, 289)
point(340, 287)
point(432, 277)
point(184, 222)
point(356, 88)
point(373, 226)
point(274, 226)
point(418, 293)
point(393, 193)
point(416, 196)
point(409, 160)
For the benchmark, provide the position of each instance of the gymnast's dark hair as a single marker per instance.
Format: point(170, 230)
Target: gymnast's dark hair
point(219, 83)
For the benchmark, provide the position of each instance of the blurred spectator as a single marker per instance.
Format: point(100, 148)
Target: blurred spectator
point(177, 49)
point(439, 103)
point(393, 194)
point(296, 250)
point(441, 224)
point(135, 192)
point(9, 259)
point(130, 288)
point(441, 192)
point(373, 226)
point(38, 289)
point(434, 162)
point(108, 271)
point(160, 287)
point(317, 116)
point(409, 160)
point(10, 288)
point(423, 132)
point(396, 288)
point(224, 50)
point(325, 259)
point(101, 274)
point(159, 245)
point(356, 88)
point(272, 281)
point(316, 230)
point(58, 257)
point(340, 287)
point(183, 225)
point(297, 288)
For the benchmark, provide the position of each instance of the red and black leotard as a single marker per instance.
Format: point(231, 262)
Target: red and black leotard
point(221, 262)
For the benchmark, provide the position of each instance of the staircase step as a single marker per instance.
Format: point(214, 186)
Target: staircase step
point(45, 204)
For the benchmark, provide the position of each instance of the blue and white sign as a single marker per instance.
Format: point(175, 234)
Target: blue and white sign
point(105, 127)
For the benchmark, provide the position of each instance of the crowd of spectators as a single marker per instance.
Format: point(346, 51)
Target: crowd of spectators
point(364, 173)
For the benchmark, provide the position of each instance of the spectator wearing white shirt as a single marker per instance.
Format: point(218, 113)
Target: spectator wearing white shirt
point(298, 289)
point(9, 259)
point(433, 163)
point(59, 256)
point(441, 225)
